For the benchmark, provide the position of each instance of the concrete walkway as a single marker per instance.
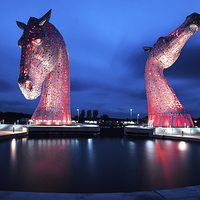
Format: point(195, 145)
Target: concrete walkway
point(185, 137)
point(186, 193)
point(11, 131)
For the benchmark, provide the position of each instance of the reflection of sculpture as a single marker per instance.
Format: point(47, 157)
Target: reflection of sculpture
point(164, 108)
point(44, 58)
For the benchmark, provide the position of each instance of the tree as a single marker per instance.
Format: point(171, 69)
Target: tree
point(82, 115)
point(95, 114)
point(104, 117)
point(89, 114)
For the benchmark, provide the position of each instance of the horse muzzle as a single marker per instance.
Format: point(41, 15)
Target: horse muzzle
point(29, 90)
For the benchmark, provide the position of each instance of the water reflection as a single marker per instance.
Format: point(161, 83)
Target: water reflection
point(150, 149)
point(182, 146)
point(13, 150)
point(130, 146)
point(90, 144)
point(49, 162)
point(24, 140)
point(97, 164)
point(163, 160)
point(91, 155)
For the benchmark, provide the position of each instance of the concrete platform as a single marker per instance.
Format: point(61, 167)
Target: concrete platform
point(181, 134)
point(8, 131)
point(186, 193)
point(77, 129)
point(175, 131)
point(132, 130)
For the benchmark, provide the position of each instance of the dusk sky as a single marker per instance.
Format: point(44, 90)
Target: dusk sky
point(104, 40)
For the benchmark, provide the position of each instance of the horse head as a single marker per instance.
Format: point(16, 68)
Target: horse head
point(39, 45)
point(167, 49)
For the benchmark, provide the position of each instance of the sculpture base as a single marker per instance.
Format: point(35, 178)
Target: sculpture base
point(175, 120)
point(188, 134)
point(139, 131)
point(81, 129)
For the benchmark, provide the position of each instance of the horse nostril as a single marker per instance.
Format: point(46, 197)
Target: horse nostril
point(29, 85)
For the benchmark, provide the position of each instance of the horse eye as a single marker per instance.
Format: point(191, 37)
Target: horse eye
point(37, 42)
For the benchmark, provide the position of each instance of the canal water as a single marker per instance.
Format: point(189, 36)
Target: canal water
point(98, 164)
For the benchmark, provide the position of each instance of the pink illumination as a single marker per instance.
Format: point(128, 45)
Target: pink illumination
point(44, 60)
point(164, 108)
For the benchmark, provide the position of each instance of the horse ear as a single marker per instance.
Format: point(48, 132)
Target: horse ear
point(21, 25)
point(147, 49)
point(45, 19)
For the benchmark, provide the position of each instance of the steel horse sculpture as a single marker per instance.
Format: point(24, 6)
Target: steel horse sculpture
point(44, 60)
point(164, 108)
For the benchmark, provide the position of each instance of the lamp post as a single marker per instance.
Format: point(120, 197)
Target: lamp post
point(131, 114)
point(137, 117)
point(78, 114)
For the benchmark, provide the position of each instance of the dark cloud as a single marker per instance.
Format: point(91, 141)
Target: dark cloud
point(11, 103)
point(187, 65)
point(5, 86)
point(140, 95)
point(82, 85)
point(121, 113)
point(16, 106)
point(132, 59)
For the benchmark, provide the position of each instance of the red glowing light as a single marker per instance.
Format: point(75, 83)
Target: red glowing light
point(164, 108)
point(44, 60)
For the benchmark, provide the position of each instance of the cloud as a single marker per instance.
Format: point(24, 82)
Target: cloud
point(5, 86)
point(16, 106)
point(9, 103)
point(187, 65)
point(83, 85)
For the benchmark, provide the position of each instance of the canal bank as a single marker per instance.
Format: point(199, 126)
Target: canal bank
point(185, 193)
point(183, 134)
point(180, 193)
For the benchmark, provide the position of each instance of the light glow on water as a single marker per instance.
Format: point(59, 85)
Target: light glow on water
point(182, 146)
point(13, 150)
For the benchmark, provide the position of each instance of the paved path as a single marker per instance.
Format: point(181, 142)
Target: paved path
point(6, 131)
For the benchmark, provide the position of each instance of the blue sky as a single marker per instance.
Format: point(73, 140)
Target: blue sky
point(104, 40)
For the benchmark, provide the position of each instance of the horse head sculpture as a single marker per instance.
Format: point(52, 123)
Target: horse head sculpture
point(164, 108)
point(44, 60)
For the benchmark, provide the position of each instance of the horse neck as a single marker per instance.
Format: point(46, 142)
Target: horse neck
point(56, 88)
point(160, 95)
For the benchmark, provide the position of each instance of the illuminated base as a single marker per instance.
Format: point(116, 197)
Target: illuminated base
point(50, 122)
point(160, 131)
point(170, 120)
point(82, 129)
point(176, 131)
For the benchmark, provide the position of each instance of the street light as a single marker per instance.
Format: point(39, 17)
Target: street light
point(137, 117)
point(131, 114)
point(78, 114)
